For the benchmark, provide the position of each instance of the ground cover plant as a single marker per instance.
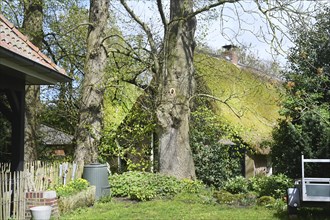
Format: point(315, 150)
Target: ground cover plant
point(141, 195)
point(275, 185)
point(71, 188)
point(185, 207)
point(143, 186)
point(169, 209)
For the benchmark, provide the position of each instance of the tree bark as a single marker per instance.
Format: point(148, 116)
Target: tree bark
point(32, 27)
point(177, 85)
point(91, 107)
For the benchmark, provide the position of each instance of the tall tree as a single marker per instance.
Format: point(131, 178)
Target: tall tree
point(33, 28)
point(174, 79)
point(306, 106)
point(91, 107)
point(172, 66)
point(176, 86)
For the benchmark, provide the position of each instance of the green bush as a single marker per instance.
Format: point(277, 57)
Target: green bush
point(214, 162)
point(275, 185)
point(236, 185)
point(71, 188)
point(145, 186)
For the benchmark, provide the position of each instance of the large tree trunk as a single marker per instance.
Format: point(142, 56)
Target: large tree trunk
point(176, 87)
point(32, 27)
point(91, 107)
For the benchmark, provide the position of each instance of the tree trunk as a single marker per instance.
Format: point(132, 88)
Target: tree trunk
point(176, 87)
point(91, 107)
point(32, 27)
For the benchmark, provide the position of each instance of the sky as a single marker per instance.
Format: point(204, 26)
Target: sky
point(238, 24)
point(242, 26)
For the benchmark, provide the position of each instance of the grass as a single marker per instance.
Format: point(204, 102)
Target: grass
point(168, 209)
point(186, 206)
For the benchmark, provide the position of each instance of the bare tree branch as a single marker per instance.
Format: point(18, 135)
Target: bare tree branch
point(77, 26)
point(162, 15)
point(238, 115)
point(147, 30)
point(208, 7)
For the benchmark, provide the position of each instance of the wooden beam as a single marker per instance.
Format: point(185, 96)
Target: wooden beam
point(17, 148)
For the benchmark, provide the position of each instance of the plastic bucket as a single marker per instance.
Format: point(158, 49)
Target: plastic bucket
point(41, 212)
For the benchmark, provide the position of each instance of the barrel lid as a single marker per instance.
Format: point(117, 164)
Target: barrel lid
point(95, 165)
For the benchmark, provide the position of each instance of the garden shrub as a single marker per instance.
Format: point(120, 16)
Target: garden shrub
point(71, 188)
point(275, 185)
point(143, 186)
point(236, 185)
point(214, 162)
point(75, 194)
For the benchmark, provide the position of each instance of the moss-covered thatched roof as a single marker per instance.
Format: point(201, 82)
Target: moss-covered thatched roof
point(249, 99)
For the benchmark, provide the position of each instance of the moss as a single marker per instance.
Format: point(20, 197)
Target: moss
point(116, 111)
point(250, 95)
point(251, 99)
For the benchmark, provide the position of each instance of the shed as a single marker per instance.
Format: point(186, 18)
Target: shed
point(56, 141)
point(21, 63)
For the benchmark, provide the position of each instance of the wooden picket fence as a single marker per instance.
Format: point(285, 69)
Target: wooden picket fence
point(12, 195)
point(37, 176)
point(43, 175)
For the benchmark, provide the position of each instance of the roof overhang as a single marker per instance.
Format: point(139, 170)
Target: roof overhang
point(12, 64)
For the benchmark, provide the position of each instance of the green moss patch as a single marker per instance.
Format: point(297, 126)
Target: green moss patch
point(249, 100)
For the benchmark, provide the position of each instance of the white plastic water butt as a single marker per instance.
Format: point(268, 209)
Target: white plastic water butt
point(41, 212)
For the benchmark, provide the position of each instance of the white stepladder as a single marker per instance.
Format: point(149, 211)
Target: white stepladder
point(309, 191)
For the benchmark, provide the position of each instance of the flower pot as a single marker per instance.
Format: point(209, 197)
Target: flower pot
point(41, 212)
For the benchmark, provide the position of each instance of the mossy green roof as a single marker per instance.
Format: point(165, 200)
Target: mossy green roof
point(250, 99)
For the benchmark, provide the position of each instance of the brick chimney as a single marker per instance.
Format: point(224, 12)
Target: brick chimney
point(231, 53)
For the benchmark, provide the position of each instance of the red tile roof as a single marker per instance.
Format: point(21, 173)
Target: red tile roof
point(14, 41)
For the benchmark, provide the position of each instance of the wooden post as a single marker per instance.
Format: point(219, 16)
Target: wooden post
point(17, 102)
point(14, 89)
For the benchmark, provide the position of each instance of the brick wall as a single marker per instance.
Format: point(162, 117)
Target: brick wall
point(41, 199)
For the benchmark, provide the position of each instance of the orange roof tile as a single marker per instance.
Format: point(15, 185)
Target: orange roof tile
point(13, 40)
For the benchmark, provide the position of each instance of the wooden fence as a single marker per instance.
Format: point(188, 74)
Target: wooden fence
point(37, 176)
point(12, 195)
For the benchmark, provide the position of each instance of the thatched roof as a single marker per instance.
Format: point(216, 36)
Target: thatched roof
point(249, 100)
point(52, 136)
